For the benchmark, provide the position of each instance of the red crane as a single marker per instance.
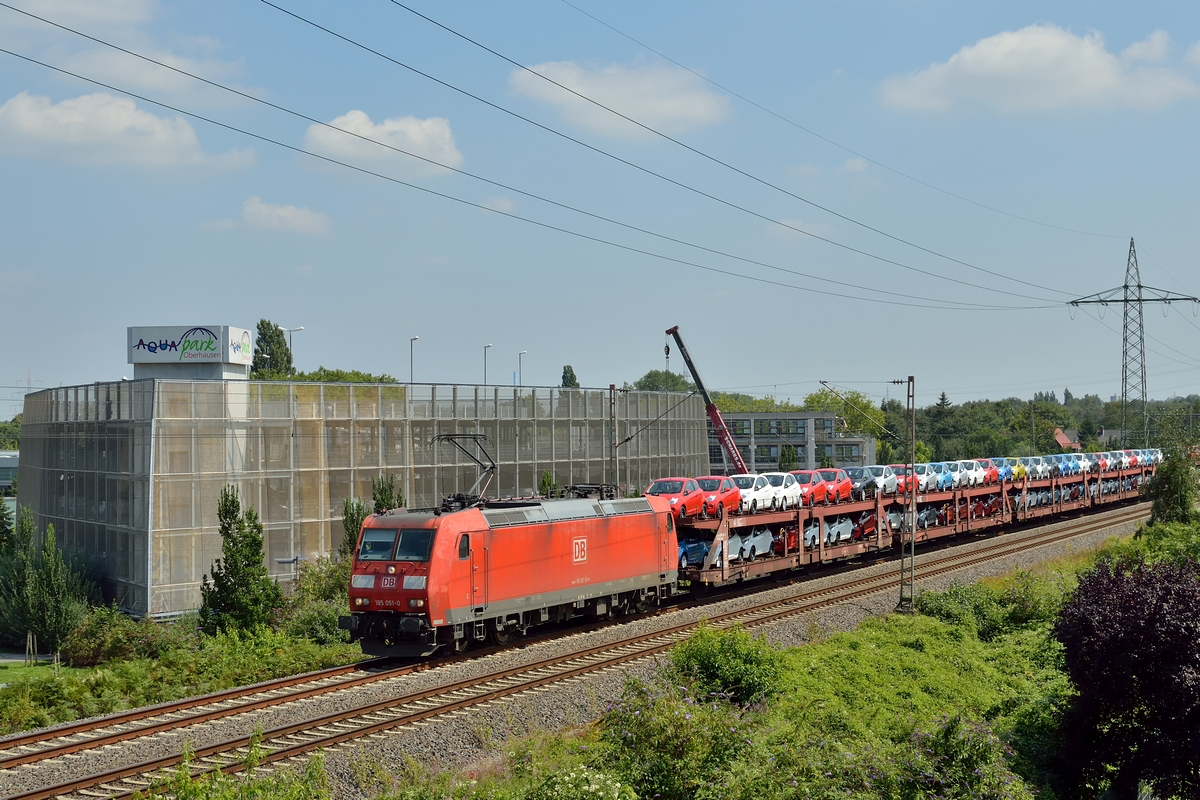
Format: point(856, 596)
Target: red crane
point(723, 435)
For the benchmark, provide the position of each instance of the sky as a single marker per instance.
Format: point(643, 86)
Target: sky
point(851, 192)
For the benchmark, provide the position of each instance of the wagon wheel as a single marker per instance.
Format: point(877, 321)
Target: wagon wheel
point(498, 633)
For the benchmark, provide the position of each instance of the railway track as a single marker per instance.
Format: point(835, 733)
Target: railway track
point(296, 741)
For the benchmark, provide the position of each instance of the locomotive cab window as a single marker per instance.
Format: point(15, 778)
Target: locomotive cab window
point(414, 545)
point(464, 546)
point(377, 544)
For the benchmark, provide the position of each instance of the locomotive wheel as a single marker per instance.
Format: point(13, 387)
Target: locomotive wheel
point(498, 633)
point(461, 646)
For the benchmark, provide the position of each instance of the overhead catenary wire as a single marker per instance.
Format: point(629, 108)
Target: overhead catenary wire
point(830, 141)
point(499, 212)
point(475, 176)
point(646, 170)
point(722, 162)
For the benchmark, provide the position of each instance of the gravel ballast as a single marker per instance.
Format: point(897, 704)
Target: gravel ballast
point(473, 736)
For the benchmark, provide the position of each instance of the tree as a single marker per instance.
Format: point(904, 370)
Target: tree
point(856, 410)
point(1131, 648)
point(546, 485)
point(660, 380)
point(272, 356)
point(241, 595)
point(10, 434)
point(6, 525)
point(569, 381)
point(1173, 490)
point(1067, 396)
point(385, 494)
point(354, 512)
point(58, 596)
point(327, 375)
point(787, 458)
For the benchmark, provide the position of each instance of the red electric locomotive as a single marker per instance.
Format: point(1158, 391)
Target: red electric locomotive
point(428, 581)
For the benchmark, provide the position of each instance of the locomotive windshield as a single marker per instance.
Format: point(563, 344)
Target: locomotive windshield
point(379, 543)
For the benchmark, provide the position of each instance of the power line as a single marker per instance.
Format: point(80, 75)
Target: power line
point(475, 176)
point(719, 161)
point(510, 215)
point(827, 140)
point(647, 170)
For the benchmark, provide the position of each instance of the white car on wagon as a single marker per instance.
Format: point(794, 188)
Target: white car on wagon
point(756, 491)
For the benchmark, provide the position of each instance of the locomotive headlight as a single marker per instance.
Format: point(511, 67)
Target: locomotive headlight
point(358, 601)
point(391, 569)
point(416, 603)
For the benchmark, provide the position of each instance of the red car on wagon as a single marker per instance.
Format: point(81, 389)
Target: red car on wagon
point(721, 495)
point(683, 494)
point(840, 487)
point(813, 488)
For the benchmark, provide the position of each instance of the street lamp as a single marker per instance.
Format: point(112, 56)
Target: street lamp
point(520, 374)
point(289, 332)
point(410, 357)
point(485, 349)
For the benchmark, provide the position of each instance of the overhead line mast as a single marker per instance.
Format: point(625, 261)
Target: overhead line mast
point(1133, 296)
point(714, 414)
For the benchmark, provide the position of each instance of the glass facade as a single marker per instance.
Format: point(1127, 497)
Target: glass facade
point(129, 473)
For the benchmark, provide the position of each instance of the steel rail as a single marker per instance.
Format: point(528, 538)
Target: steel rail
point(298, 739)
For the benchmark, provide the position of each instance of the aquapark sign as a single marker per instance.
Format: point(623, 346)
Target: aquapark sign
point(219, 344)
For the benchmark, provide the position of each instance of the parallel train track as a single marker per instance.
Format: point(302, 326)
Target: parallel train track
point(298, 740)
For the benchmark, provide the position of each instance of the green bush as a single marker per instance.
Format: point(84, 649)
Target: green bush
point(318, 622)
point(310, 783)
point(107, 634)
point(582, 783)
point(193, 664)
point(731, 663)
point(667, 743)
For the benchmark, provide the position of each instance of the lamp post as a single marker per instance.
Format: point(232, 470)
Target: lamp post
point(410, 357)
point(289, 332)
point(520, 374)
point(485, 349)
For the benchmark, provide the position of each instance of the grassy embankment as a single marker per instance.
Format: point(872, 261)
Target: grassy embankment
point(960, 700)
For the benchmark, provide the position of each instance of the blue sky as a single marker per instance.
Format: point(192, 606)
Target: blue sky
point(1077, 115)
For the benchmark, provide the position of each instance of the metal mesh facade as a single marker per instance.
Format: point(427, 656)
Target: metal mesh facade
point(129, 473)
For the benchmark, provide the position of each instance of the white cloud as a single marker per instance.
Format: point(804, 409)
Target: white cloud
point(103, 129)
point(284, 219)
point(430, 138)
point(855, 165)
point(505, 204)
point(1152, 48)
point(1193, 54)
point(1038, 68)
point(87, 12)
point(120, 69)
point(664, 97)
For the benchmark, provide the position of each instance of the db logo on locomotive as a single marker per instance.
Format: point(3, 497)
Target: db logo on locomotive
point(579, 550)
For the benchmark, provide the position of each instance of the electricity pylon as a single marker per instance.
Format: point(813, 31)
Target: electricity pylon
point(1133, 296)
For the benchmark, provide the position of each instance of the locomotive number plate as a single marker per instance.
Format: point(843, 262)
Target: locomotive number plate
point(579, 550)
